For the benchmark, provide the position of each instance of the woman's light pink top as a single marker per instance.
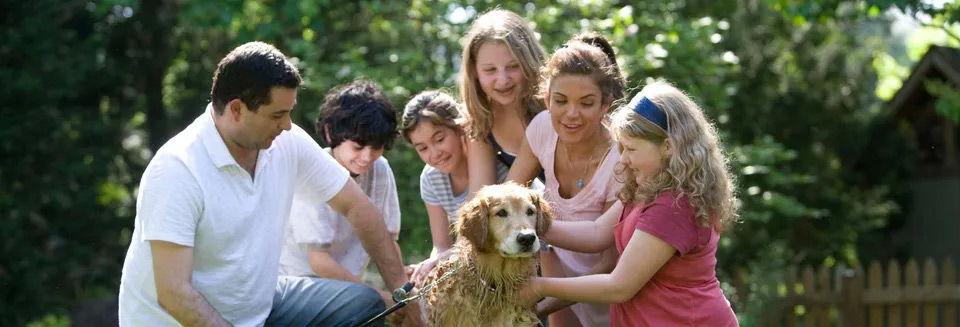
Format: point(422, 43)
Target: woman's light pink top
point(588, 204)
point(685, 291)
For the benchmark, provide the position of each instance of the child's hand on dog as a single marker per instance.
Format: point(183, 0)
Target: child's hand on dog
point(528, 296)
point(422, 270)
point(410, 269)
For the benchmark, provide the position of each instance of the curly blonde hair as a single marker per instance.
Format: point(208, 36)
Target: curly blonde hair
point(512, 30)
point(696, 168)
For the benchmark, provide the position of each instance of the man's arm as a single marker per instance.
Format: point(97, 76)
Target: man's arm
point(368, 225)
point(172, 270)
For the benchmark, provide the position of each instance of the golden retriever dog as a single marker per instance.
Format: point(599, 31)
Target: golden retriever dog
point(495, 254)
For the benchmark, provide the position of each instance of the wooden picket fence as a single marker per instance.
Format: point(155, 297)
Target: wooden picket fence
point(847, 297)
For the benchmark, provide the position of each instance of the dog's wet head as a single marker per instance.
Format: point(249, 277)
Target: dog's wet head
point(506, 218)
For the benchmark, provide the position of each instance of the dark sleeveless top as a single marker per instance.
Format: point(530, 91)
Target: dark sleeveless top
point(506, 158)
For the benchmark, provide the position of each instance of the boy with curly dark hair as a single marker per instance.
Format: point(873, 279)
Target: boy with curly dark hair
point(358, 123)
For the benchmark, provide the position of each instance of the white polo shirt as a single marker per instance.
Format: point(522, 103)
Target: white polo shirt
point(195, 194)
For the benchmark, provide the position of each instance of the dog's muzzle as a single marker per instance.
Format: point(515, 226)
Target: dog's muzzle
point(520, 245)
point(526, 241)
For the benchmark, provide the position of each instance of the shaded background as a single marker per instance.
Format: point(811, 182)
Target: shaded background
point(797, 88)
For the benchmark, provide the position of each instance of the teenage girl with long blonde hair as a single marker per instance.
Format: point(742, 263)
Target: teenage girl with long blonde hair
point(500, 67)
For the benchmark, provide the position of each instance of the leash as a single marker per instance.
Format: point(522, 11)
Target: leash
point(400, 297)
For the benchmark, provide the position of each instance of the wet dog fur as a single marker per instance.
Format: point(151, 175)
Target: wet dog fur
point(494, 255)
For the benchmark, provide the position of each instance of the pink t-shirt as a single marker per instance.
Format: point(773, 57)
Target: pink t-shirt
point(587, 205)
point(685, 291)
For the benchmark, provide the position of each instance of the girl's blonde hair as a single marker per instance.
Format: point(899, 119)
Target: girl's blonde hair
point(433, 106)
point(512, 30)
point(696, 167)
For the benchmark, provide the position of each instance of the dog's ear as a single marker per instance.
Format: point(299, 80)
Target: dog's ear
point(544, 214)
point(472, 222)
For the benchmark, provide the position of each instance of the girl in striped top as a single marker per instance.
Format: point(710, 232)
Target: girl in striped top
point(431, 124)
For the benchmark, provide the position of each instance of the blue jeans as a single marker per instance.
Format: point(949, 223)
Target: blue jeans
point(313, 301)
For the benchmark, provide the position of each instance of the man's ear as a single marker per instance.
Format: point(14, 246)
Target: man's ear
point(472, 222)
point(234, 108)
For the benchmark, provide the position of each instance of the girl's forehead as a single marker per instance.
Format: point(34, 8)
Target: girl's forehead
point(426, 128)
point(579, 84)
point(494, 51)
point(630, 140)
point(423, 127)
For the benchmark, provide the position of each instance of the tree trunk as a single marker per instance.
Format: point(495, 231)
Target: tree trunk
point(158, 19)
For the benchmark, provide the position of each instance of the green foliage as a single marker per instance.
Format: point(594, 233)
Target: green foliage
point(890, 75)
point(784, 81)
point(948, 99)
point(67, 189)
point(51, 320)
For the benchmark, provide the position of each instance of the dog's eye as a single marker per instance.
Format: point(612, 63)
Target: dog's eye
point(529, 212)
point(502, 213)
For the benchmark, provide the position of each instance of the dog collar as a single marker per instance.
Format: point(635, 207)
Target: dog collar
point(488, 286)
point(483, 283)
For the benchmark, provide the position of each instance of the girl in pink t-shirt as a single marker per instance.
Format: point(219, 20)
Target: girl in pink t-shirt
point(677, 197)
point(570, 143)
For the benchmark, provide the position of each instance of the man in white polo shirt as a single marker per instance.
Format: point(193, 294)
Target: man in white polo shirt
point(214, 201)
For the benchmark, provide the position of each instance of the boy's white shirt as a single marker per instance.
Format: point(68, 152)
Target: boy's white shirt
point(315, 226)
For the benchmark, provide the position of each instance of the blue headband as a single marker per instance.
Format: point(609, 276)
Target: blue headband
point(644, 107)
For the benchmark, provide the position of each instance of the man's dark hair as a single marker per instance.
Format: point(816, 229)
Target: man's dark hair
point(248, 73)
point(359, 112)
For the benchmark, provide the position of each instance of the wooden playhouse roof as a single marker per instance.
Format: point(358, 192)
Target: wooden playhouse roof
point(938, 62)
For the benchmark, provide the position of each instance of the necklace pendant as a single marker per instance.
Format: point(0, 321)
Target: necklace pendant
point(580, 183)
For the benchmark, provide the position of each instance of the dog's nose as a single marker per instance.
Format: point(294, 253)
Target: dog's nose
point(526, 239)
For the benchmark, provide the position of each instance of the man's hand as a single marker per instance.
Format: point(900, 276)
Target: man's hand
point(396, 318)
point(411, 314)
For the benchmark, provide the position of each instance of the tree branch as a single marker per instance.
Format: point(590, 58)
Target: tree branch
point(945, 27)
point(949, 32)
